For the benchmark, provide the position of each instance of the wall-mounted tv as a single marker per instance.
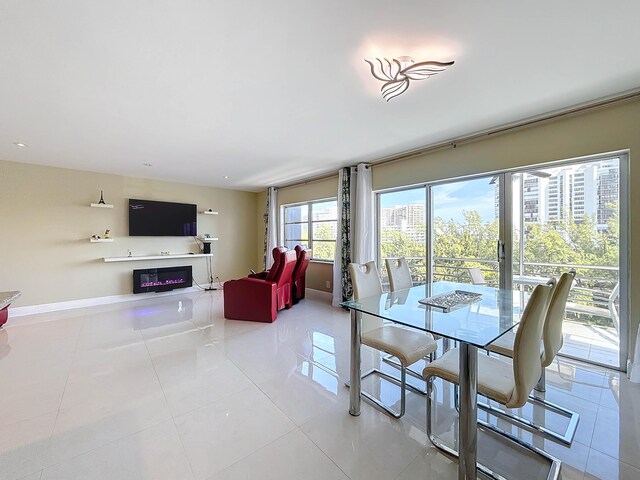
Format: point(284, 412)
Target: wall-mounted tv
point(148, 218)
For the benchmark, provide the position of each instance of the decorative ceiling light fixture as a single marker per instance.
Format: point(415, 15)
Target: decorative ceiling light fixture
point(397, 73)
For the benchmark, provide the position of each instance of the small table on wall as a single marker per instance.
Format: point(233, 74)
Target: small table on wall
point(6, 299)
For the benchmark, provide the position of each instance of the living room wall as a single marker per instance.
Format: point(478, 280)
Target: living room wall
point(47, 223)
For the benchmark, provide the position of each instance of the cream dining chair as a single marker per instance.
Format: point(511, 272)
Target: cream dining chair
point(399, 274)
point(400, 279)
point(408, 346)
point(552, 340)
point(508, 382)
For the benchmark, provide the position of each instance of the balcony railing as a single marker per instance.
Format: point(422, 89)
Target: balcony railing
point(594, 298)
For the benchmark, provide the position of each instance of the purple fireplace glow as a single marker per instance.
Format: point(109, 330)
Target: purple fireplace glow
point(161, 279)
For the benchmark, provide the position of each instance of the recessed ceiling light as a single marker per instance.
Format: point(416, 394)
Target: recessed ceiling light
point(226, 177)
point(146, 164)
point(18, 144)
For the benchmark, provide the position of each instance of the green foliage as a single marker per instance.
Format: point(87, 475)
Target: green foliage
point(561, 242)
point(323, 250)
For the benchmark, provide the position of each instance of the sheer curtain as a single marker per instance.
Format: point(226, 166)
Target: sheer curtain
point(362, 238)
point(270, 226)
point(355, 216)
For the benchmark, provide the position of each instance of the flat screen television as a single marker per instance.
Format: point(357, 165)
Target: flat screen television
point(148, 218)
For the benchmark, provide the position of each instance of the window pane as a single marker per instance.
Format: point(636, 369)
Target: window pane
point(325, 210)
point(403, 231)
point(298, 213)
point(291, 244)
point(296, 231)
point(324, 230)
point(323, 250)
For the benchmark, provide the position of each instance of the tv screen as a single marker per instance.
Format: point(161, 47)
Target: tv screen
point(148, 218)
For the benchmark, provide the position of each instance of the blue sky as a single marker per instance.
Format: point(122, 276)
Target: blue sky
point(451, 199)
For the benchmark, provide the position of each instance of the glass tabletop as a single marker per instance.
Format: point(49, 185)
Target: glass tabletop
point(489, 316)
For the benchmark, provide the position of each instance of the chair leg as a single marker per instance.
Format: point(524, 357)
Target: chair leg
point(555, 464)
point(402, 383)
point(393, 361)
point(542, 382)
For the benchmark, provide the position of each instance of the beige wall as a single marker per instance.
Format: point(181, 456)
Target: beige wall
point(602, 130)
point(46, 225)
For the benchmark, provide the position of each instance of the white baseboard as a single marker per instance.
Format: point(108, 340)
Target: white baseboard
point(92, 302)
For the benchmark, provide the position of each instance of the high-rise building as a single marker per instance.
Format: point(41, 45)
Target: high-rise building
point(582, 191)
point(408, 219)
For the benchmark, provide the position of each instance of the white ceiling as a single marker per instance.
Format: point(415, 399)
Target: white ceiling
point(268, 92)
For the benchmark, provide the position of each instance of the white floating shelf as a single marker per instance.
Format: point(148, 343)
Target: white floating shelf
point(209, 240)
point(101, 240)
point(156, 257)
point(209, 212)
point(101, 205)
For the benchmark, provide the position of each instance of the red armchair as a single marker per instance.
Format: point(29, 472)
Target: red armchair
point(258, 299)
point(300, 273)
point(269, 274)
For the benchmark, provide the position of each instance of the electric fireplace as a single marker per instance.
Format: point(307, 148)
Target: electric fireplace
point(161, 279)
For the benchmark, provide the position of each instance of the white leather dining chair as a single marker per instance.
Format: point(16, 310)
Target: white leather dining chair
point(509, 381)
point(399, 274)
point(552, 339)
point(408, 346)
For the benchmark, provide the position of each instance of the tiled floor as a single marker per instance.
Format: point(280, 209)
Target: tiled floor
point(591, 342)
point(165, 388)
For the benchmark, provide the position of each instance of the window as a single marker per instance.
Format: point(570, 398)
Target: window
point(314, 224)
point(402, 231)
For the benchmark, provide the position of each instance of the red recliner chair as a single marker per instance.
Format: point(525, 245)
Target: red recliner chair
point(276, 253)
point(300, 273)
point(257, 299)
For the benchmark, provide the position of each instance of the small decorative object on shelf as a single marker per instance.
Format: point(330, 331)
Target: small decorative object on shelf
point(209, 212)
point(106, 233)
point(128, 253)
point(165, 252)
point(101, 202)
point(95, 237)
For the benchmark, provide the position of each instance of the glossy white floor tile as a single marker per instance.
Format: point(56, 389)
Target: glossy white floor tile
point(166, 388)
point(291, 456)
point(223, 432)
point(153, 453)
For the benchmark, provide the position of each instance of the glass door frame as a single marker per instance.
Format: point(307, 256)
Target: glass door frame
point(506, 228)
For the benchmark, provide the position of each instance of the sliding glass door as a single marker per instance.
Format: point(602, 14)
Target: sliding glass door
point(466, 231)
point(402, 231)
point(516, 230)
point(569, 217)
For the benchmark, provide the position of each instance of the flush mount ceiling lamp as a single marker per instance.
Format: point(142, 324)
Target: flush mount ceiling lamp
point(398, 72)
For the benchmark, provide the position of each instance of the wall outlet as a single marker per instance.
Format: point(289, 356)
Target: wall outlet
point(327, 284)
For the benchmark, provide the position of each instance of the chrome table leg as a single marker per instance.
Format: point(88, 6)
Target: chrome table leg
point(468, 412)
point(354, 393)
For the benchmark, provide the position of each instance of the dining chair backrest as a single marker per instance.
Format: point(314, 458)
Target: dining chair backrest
point(552, 337)
point(526, 347)
point(365, 280)
point(477, 278)
point(399, 274)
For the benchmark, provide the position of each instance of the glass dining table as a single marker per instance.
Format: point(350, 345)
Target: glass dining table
point(474, 325)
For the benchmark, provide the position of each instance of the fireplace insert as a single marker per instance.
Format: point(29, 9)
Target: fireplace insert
point(161, 279)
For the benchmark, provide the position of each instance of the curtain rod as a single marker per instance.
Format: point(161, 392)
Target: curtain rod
point(453, 143)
